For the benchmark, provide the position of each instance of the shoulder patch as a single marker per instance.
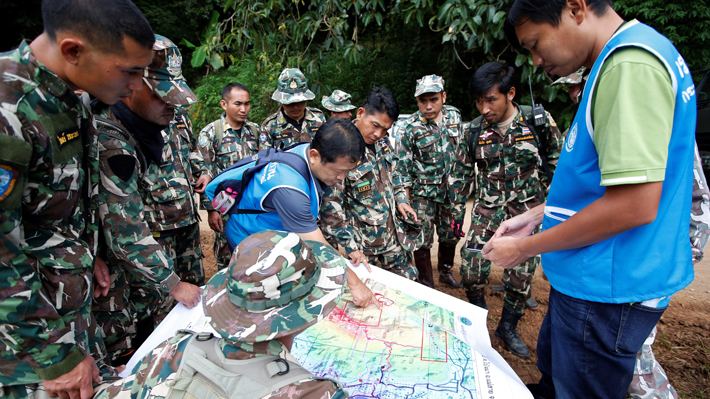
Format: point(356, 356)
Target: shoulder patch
point(8, 179)
point(262, 137)
point(203, 140)
point(123, 166)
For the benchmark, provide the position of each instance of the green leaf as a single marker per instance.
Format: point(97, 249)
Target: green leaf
point(198, 56)
point(499, 15)
point(186, 43)
point(520, 60)
point(378, 17)
point(216, 61)
point(477, 20)
point(444, 9)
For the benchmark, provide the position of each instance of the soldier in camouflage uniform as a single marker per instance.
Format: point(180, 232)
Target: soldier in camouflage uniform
point(48, 177)
point(224, 142)
point(511, 179)
point(427, 153)
point(338, 103)
point(244, 305)
point(293, 122)
point(360, 213)
point(168, 189)
point(130, 140)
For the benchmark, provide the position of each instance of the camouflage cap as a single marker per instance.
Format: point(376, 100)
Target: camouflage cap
point(275, 285)
point(164, 74)
point(410, 234)
point(292, 87)
point(573, 79)
point(429, 84)
point(338, 101)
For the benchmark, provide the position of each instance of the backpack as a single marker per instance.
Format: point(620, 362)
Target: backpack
point(229, 192)
point(540, 139)
point(205, 373)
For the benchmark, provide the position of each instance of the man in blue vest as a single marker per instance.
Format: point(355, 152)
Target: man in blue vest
point(615, 224)
point(287, 202)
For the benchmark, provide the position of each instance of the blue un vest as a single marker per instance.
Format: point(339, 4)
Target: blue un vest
point(649, 261)
point(271, 177)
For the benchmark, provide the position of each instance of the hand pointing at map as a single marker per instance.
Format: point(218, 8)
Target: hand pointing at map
point(362, 296)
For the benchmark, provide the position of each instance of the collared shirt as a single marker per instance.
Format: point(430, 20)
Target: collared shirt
point(280, 133)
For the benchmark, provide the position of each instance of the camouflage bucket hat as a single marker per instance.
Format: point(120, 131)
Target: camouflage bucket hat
point(275, 285)
point(338, 101)
point(164, 74)
point(292, 87)
point(573, 79)
point(429, 84)
point(410, 233)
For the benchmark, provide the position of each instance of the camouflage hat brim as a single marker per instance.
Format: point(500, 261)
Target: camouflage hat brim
point(290, 98)
point(174, 92)
point(240, 325)
point(330, 106)
point(428, 89)
point(410, 233)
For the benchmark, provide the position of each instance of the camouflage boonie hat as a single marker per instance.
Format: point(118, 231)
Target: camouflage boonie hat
point(164, 74)
point(292, 87)
point(339, 101)
point(429, 84)
point(275, 285)
point(573, 79)
point(411, 234)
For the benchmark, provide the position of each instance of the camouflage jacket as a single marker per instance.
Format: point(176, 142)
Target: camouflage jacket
point(279, 133)
point(152, 377)
point(234, 146)
point(47, 149)
point(360, 212)
point(700, 210)
point(509, 165)
point(128, 243)
point(427, 153)
point(168, 193)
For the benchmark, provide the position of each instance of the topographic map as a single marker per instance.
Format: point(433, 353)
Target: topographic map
point(421, 344)
point(404, 350)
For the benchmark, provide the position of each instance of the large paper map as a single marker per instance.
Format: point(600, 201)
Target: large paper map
point(421, 344)
point(404, 350)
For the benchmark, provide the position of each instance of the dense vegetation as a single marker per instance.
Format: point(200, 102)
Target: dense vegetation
point(353, 45)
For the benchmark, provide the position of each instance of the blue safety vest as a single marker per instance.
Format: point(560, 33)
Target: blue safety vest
point(271, 177)
point(649, 261)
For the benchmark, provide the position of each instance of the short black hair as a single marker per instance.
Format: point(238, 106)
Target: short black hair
point(548, 11)
point(381, 100)
point(103, 23)
point(338, 137)
point(489, 75)
point(231, 86)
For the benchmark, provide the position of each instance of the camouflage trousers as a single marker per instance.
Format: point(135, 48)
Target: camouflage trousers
point(434, 215)
point(650, 380)
point(475, 270)
point(185, 251)
point(116, 316)
point(222, 254)
point(395, 260)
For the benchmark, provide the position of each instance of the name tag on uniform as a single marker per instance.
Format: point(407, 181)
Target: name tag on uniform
point(181, 125)
point(229, 140)
point(283, 135)
point(66, 137)
point(525, 137)
point(364, 186)
point(488, 141)
point(423, 135)
point(454, 128)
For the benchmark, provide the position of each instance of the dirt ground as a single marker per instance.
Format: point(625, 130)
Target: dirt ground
point(682, 345)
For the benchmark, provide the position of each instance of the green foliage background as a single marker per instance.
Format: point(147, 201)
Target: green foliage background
point(354, 45)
